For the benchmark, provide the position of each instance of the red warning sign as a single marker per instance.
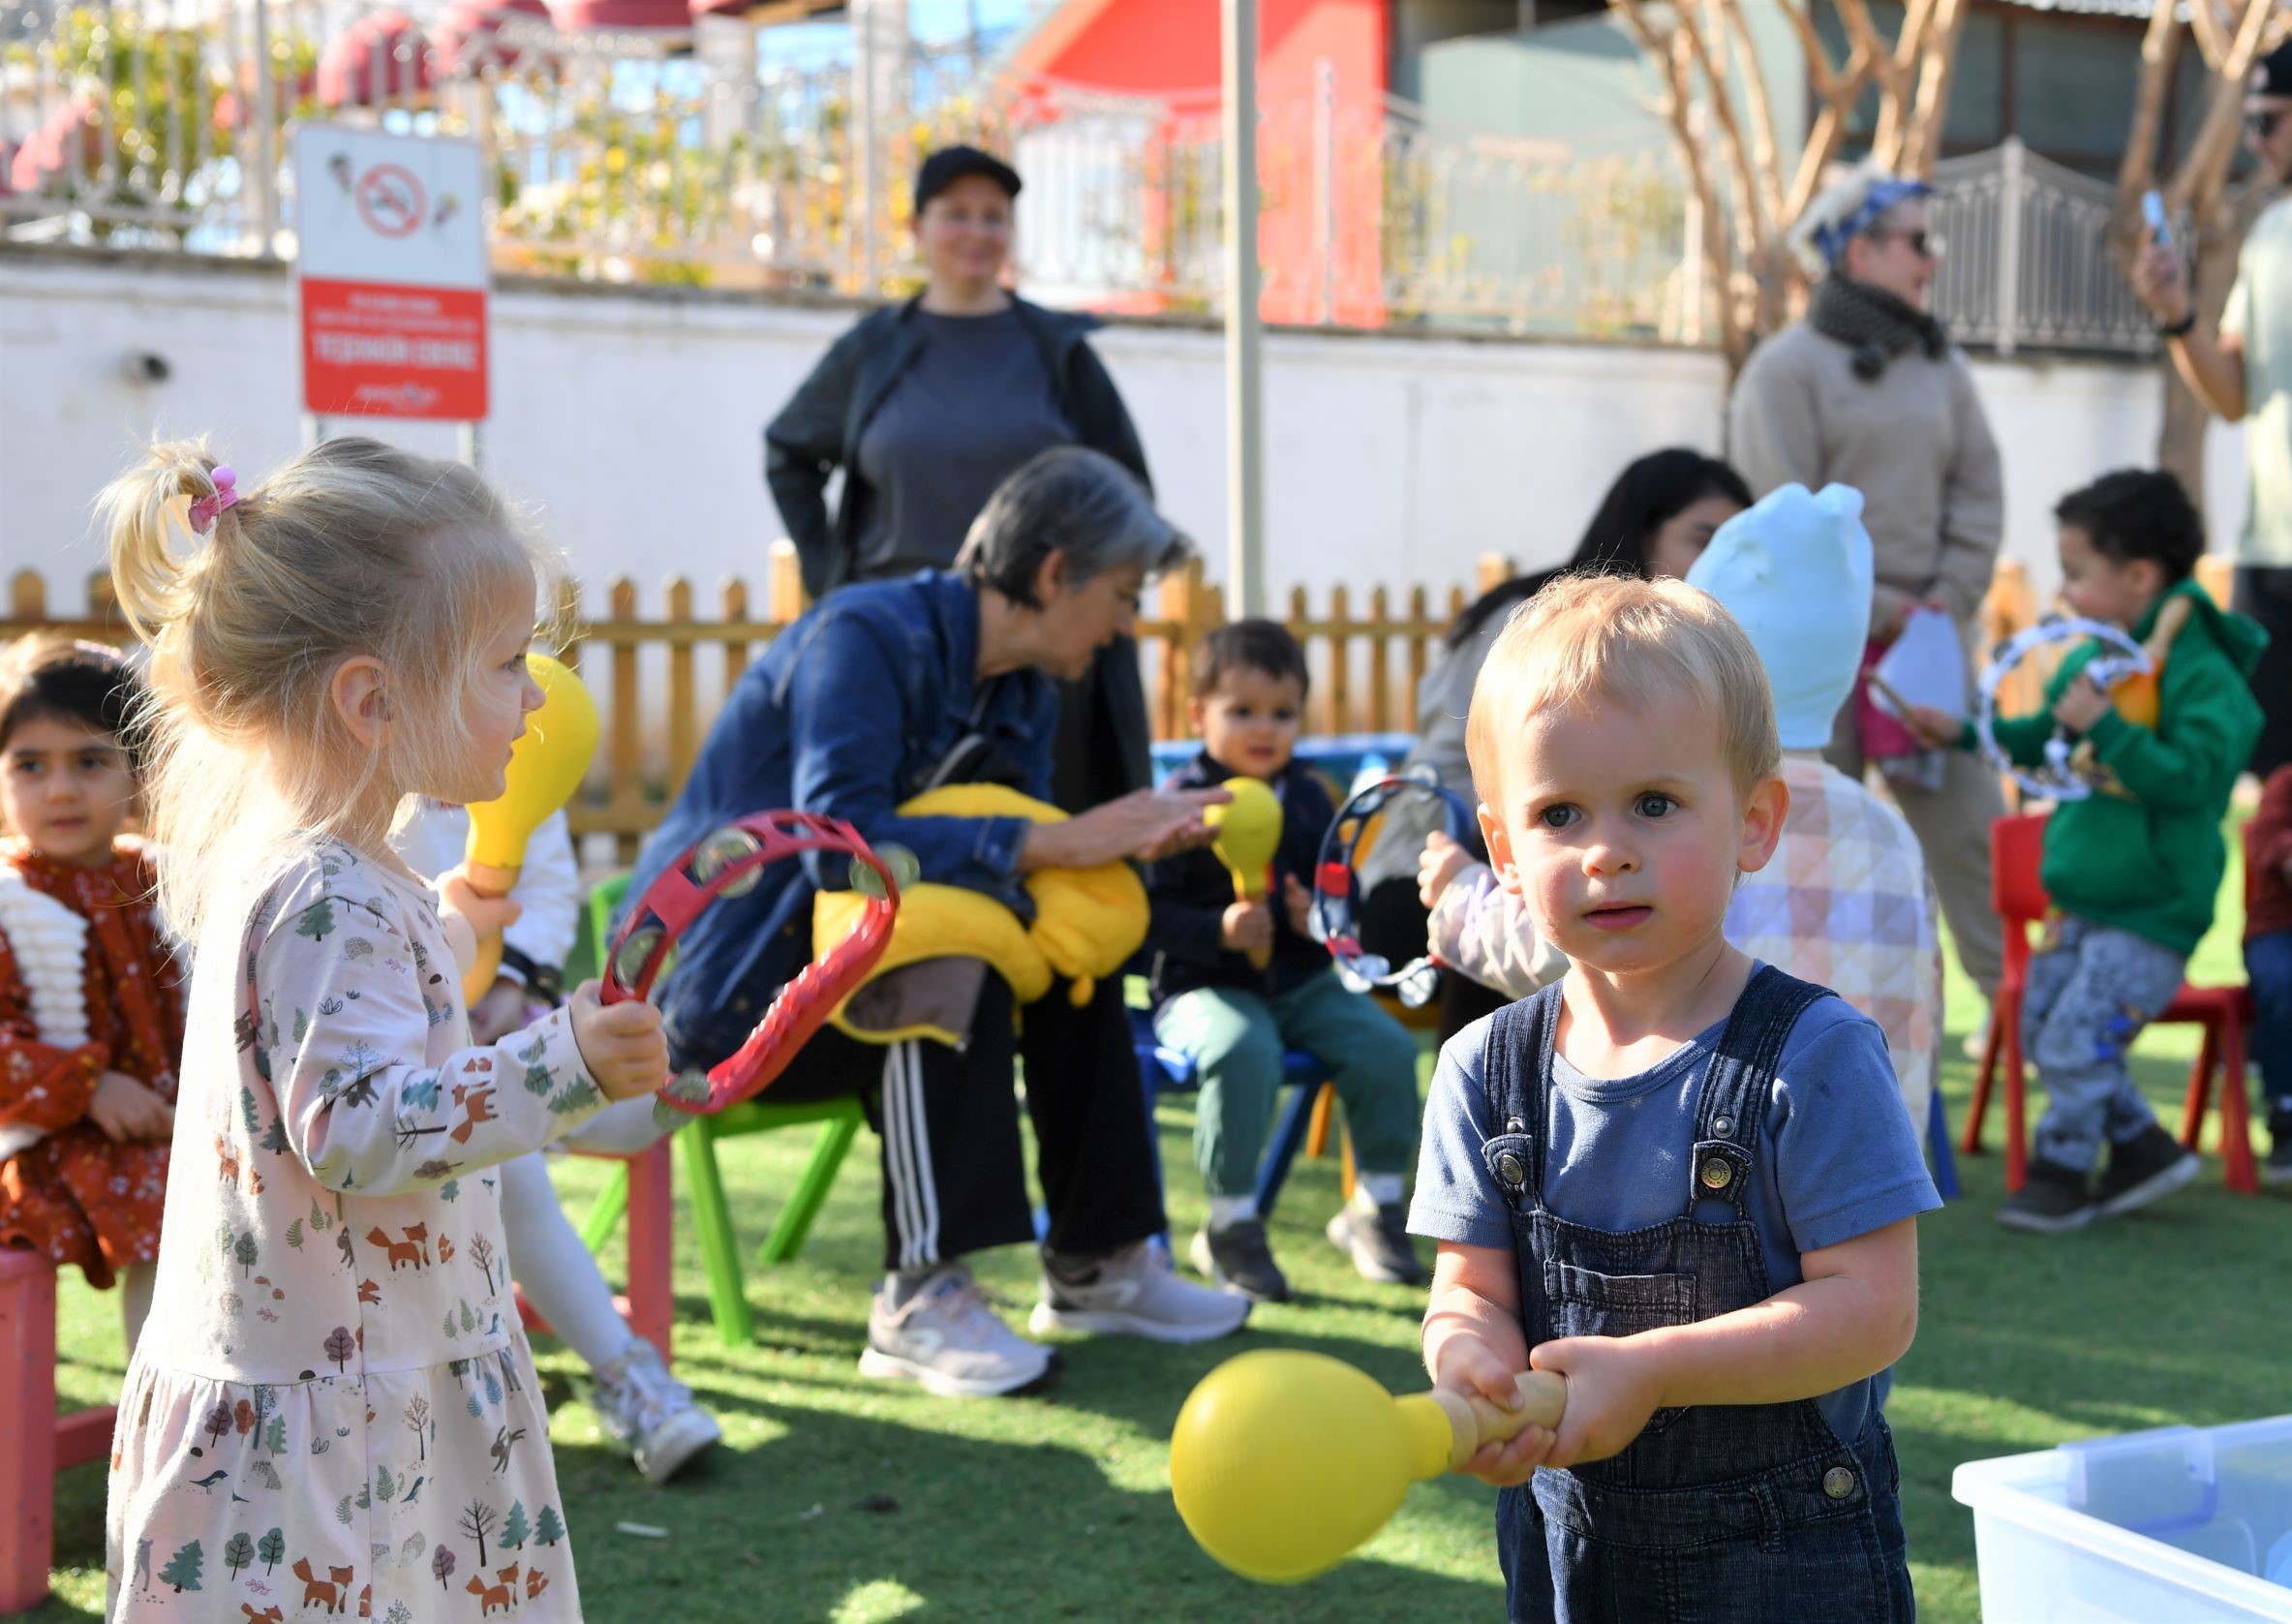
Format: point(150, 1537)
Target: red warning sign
point(394, 276)
point(371, 350)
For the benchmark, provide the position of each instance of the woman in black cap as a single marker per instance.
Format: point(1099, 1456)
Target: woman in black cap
point(927, 407)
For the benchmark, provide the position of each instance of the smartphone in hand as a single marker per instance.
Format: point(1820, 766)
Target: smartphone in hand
point(2152, 210)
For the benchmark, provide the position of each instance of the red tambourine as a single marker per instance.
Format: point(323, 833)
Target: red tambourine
point(729, 862)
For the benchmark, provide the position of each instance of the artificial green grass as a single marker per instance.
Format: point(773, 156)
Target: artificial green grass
point(836, 1499)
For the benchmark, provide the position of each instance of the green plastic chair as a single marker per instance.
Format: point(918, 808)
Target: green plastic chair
point(839, 1121)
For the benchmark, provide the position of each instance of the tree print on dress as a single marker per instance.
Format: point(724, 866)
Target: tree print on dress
point(182, 1569)
point(476, 1522)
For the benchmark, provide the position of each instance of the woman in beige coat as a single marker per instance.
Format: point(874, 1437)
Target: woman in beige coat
point(1868, 391)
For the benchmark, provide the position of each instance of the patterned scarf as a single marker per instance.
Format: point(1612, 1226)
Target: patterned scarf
point(1874, 323)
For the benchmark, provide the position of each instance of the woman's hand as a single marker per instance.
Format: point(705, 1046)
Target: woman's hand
point(127, 1110)
point(1147, 825)
point(1438, 865)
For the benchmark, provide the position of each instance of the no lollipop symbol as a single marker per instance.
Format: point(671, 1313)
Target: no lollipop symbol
point(390, 200)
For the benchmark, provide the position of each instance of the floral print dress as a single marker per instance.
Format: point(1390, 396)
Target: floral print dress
point(338, 1415)
point(66, 1189)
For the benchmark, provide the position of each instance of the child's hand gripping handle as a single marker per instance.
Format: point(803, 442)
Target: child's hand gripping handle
point(1476, 1420)
point(1249, 834)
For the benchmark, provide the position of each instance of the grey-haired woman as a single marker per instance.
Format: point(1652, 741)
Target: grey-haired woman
point(879, 693)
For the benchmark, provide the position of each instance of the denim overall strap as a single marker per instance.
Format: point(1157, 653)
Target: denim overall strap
point(1516, 1060)
point(1735, 1089)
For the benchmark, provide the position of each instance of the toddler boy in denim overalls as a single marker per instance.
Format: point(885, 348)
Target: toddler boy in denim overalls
point(1677, 1177)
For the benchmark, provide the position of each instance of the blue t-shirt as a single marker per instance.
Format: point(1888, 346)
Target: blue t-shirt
point(1837, 1156)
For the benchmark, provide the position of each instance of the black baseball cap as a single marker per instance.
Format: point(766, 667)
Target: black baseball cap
point(2272, 74)
point(950, 164)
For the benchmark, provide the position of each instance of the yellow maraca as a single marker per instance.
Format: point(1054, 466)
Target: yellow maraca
point(1283, 1461)
point(546, 767)
point(1248, 832)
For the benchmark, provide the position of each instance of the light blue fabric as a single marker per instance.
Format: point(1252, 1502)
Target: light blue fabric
point(1837, 1155)
point(1795, 572)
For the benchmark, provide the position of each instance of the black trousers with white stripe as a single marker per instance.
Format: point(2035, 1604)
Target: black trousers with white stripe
point(954, 1167)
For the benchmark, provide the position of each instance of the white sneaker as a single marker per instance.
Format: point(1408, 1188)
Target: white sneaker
point(653, 1413)
point(948, 1339)
point(1133, 1292)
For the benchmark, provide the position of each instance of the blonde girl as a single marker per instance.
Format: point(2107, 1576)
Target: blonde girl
point(343, 1413)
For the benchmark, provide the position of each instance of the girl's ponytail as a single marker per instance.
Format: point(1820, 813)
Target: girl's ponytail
point(147, 513)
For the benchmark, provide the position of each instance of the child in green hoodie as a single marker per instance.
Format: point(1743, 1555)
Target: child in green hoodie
point(2134, 867)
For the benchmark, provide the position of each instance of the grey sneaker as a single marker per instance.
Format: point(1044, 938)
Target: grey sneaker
point(1237, 1259)
point(1132, 1293)
point(1379, 1247)
point(948, 1339)
point(2277, 1167)
point(2147, 1167)
point(653, 1413)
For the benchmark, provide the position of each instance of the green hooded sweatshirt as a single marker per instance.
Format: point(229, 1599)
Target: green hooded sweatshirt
point(2150, 861)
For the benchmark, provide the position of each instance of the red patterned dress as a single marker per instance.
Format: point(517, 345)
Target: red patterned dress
point(73, 1193)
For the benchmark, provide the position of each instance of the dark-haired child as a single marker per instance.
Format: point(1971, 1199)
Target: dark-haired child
point(91, 1000)
point(2134, 867)
point(1235, 1019)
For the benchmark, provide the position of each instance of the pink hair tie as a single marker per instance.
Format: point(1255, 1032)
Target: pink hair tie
point(207, 509)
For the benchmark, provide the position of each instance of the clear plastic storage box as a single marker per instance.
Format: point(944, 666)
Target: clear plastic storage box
point(2183, 1525)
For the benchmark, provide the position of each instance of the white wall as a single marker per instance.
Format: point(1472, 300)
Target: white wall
point(631, 419)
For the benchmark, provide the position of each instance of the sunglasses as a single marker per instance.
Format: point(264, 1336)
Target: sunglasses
point(1926, 245)
point(2260, 123)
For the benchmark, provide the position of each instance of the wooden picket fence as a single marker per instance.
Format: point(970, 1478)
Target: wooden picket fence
point(660, 682)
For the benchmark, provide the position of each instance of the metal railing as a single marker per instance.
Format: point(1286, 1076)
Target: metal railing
point(2029, 263)
point(686, 156)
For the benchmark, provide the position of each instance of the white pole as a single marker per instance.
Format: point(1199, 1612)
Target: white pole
point(265, 179)
point(2010, 246)
point(1246, 496)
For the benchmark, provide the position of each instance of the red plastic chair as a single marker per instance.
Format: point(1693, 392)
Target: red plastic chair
point(649, 1307)
point(2016, 850)
point(40, 1443)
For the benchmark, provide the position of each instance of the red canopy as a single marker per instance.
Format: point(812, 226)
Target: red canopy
point(624, 13)
point(468, 37)
point(348, 74)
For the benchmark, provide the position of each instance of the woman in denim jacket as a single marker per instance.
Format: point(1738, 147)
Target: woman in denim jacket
point(879, 693)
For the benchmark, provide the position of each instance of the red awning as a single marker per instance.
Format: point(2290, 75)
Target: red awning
point(382, 57)
point(658, 15)
point(469, 36)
